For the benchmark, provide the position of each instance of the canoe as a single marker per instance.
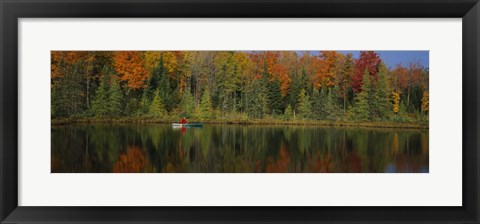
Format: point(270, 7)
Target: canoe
point(187, 125)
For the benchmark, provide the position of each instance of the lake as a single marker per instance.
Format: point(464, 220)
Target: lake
point(215, 148)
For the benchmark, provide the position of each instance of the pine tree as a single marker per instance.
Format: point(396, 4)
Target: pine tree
point(304, 105)
point(343, 82)
point(256, 100)
point(205, 108)
point(317, 104)
point(153, 81)
point(145, 104)
point(264, 90)
point(115, 99)
point(166, 91)
point(275, 100)
point(362, 108)
point(100, 103)
point(305, 82)
point(295, 89)
point(157, 108)
point(331, 105)
point(381, 99)
point(58, 99)
point(288, 115)
point(187, 104)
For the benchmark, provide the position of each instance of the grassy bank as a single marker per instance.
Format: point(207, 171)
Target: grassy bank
point(125, 120)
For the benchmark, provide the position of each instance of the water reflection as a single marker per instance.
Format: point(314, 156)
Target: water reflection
point(236, 149)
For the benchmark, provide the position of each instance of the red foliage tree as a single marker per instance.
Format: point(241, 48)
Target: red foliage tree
point(369, 60)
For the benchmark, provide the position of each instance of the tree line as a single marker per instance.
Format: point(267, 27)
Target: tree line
point(234, 85)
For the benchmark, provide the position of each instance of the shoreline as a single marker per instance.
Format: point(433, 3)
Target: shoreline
point(68, 121)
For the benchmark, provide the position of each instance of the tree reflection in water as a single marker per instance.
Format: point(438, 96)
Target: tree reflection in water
point(237, 149)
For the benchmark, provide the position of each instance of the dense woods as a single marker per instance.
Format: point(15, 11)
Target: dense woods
point(237, 86)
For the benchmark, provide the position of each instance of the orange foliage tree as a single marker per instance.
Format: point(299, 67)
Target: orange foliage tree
point(129, 66)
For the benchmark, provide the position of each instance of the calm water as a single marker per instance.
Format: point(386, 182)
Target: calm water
point(236, 149)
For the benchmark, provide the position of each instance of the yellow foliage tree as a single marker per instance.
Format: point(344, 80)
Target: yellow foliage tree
point(151, 60)
point(425, 102)
point(396, 102)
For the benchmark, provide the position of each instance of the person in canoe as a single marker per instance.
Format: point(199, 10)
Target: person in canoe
point(184, 120)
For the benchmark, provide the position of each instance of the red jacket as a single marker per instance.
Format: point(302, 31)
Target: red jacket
point(184, 121)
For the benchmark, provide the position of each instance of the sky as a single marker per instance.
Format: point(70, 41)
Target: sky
point(393, 58)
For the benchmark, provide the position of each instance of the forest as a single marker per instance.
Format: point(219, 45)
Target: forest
point(237, 86)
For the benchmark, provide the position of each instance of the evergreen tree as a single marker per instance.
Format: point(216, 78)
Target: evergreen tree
point(153, 83)
point(362, 108)
point(157, 108)
point(343, 81)
point(288, 115)
point(68, 93)
point(295, 89)
point(115, 99)
point(100, 103)
point(317, 105)
point(205, 108)
point(145, 104)
point(305, 82)
point(382, 92)
point(331, 105)
point(166, 93)
point(275, 100)
point(58, 100)
point(255, 98)
point(263, 90)
point(187, 104)
point(304, 105)
point(154, 80)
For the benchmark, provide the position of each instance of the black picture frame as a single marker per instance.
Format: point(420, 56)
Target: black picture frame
point(11, 11)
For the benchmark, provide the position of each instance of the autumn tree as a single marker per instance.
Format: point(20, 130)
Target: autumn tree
point(238, 85)
point(129, 66)
point(396, 102)
point(425, 102)
point(327, 68)
point(368, 60)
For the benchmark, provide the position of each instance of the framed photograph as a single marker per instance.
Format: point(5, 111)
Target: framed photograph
point(247, 112)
